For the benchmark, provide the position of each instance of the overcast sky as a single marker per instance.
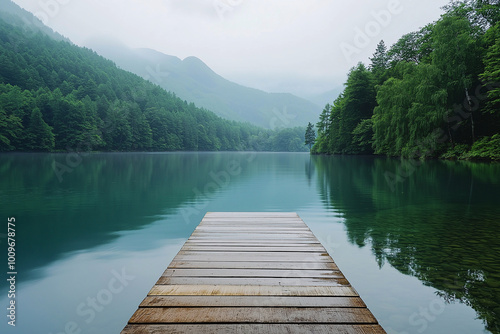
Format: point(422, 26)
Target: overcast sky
point(298, 46)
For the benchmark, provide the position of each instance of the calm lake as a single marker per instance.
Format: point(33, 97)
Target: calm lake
point(422, 249)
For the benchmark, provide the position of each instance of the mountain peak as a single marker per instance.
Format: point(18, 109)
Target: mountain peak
point(194, 81)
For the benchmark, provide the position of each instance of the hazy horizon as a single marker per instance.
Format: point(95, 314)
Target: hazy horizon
point(301, 47)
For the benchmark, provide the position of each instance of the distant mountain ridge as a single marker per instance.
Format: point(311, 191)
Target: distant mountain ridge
point(192, 80)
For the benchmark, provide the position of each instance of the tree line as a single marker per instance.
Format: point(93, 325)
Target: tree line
point(55, 96)
point(434, 93)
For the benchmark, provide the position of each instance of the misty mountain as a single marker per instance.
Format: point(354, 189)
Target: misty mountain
point(17, 16)
point(192, 80)
point(326, 97)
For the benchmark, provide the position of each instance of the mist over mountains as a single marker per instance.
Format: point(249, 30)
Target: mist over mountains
point(192, 80)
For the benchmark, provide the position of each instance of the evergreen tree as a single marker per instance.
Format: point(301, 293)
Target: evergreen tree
point(380, 63)
point(310, 135)
point(40, 136)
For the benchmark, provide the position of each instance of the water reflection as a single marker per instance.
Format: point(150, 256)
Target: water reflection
point(440, 224)
point(104, 194)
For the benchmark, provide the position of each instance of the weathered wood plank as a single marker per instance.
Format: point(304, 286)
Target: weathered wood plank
point(285, 281)
point(252, 273)
point(250, 301)
point(252, 256)
point(291, 249)
point(254, 240)
point(253, 329)
point(252, 315)
point(251, 244)
point(251, 290)
point(254, 226)
point(254, 222)
point(254, 265)
point(273, 231)
point(252, 235)
point(251, 214)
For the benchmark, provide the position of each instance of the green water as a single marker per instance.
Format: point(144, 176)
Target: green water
point(93, 237)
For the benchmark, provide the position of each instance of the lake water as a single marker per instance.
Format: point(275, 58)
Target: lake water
point(92, 237)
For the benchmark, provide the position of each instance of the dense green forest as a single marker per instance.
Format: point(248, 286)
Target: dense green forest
point(55, 96)
point(434, 93)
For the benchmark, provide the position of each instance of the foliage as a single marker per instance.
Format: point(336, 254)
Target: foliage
point(310, 136)
point(380, 63)
point(338, 122)
point(491, 73)
point(57, 96)
point(488, 148)
point(433, 91)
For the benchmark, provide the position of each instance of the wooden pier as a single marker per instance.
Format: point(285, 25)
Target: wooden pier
point(252, 273)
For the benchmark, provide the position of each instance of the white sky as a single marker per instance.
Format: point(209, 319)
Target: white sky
point(274, 45)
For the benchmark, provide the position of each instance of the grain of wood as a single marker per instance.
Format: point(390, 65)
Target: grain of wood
point(270, 281)
point(253, 329)
point(251, 290)
point(172, 315)
point(295, 265)
point(252, 273)
point(251, 301)
point(298, 273)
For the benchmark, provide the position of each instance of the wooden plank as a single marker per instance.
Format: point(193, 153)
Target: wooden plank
point(263, 223)
point(252, 235)
point(254, 242)
point(249, 244)
point(291, 249)
point(252, 257)
point(254, 222)
point(254, 265)
point(252, 273)
point(258, 255)
point(285, 281)
point(250, 301)
point(253, 329)
point(257, 241)
point(251, 290)
point(211, 231)
point(254, 230)
point(251, 214)
point(252, 315)
point(253, 227)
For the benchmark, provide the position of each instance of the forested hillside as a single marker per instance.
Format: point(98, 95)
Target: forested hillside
point(434, 93)
point(191, 79)
point(57, 96)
